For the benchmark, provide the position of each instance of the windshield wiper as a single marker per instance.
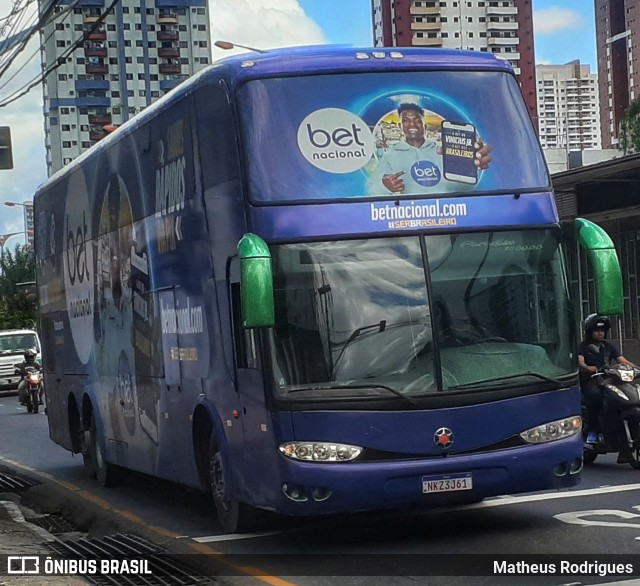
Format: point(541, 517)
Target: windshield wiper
point(556, 382)
point(396, 392)
point(381, 326)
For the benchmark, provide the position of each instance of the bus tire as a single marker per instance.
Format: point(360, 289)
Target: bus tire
point(234, 516)
point(86, 449)
point(106, 474)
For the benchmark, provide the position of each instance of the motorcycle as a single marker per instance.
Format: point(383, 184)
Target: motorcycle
point(30, 394)
point(619, 416)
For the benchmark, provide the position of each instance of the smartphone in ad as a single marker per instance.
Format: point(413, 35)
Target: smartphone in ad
point(458, 152)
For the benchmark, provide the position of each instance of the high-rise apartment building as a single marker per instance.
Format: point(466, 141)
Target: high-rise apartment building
point(618, 42)
point(568, 107)
point(128, 54)
point(28, 223)
point(501, 27)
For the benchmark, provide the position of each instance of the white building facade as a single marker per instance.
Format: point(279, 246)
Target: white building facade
point(128, 54)
point(471, 25)
point(618, 45)
point(568, 107)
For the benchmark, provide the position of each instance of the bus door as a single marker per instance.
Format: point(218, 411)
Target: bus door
point(256, 423)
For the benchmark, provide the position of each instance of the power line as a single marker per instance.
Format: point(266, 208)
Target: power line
point(66, 13)
point(25, 89)
point(15, 9)
point(11, 26)
point(42, 20)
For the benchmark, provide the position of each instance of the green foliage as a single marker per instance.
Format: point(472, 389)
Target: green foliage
point(630, 128)
point(18, 293)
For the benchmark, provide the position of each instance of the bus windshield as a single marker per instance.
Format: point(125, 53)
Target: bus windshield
point(337, 136)
point(367, 318)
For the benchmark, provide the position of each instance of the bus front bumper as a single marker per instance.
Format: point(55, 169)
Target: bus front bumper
point(313, 488)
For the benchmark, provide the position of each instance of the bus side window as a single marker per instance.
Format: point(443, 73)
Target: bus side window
point(218, 143)
point(244, 340)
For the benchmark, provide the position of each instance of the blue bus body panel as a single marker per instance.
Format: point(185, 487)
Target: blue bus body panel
point(323, 59)
point(412, 432)
point(365, 486)
point(407, 439)
point(129, 301)
point(376, 217)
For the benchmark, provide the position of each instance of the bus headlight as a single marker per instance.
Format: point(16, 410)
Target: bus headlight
point(552, 431)
point(320, 451)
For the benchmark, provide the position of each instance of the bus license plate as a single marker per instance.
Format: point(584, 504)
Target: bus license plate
point(447, 483)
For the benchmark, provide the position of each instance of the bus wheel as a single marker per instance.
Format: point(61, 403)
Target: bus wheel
point(235, 517)
point(106, 473)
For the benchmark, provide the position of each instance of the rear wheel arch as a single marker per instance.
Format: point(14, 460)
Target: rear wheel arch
point(207, 431)
point(87, 412)
point(202, 429)
point(75, 424)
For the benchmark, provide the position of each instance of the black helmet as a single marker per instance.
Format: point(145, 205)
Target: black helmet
point(30, 353)
point(596, 322)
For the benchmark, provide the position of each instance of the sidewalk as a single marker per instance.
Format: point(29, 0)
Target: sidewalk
point(19, 537)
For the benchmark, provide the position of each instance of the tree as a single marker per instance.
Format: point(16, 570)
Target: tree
point(630, 128)
point(18, 294)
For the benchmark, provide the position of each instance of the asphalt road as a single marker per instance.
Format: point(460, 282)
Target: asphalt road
point(601, 517)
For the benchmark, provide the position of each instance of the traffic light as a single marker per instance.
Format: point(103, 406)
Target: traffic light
point(6, 154)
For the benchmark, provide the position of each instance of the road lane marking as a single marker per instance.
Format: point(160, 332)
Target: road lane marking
point(249, 570)
point(234, 536)
point(496, 502)
point(514, 500)
point(578, 518)
point(259, 574)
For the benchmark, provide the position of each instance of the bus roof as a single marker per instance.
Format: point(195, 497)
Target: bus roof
point(332, 58)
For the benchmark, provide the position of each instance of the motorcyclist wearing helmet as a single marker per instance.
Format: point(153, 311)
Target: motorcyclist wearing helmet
point(21, 368)
point(594, 354)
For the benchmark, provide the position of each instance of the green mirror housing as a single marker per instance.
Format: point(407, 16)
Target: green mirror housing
point(256, 286)
point(605, 264)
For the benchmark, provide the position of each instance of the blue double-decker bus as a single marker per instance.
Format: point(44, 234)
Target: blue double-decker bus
point(318, 280)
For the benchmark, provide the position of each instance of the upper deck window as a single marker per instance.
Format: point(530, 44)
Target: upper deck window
point(376, 134)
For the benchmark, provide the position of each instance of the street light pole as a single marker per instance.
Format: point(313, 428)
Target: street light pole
point(3, 241)
point(4, 238)
point(226, 45)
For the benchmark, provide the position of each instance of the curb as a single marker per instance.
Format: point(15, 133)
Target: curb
point(15, 514)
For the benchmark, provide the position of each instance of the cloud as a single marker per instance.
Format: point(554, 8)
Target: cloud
point(549, 21)
point(263, 24)
point(542, 61)
point(26, 120)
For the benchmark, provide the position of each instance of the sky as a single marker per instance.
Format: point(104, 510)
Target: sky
point(564, 31)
